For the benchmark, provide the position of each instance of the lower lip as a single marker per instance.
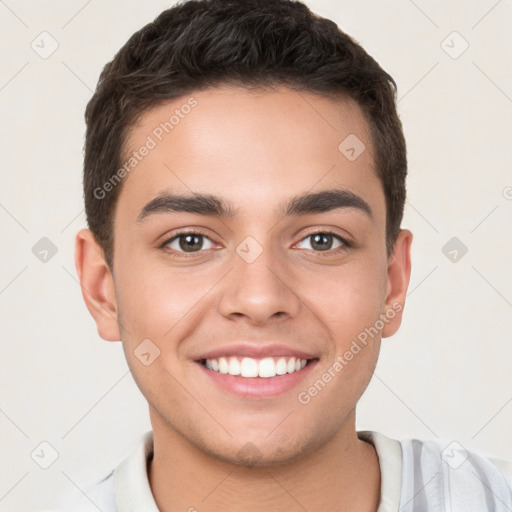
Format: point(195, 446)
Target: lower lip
point(258, 387)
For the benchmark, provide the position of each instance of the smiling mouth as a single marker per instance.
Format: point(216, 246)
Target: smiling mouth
point(248, 367)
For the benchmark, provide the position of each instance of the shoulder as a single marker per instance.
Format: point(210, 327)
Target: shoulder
point(504, 466)
point(92, 497)
point(443, 475)
point(120, 489)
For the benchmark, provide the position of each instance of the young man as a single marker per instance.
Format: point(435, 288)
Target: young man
point(244, 184)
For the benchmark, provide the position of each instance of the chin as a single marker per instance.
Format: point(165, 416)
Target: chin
point(261, 452)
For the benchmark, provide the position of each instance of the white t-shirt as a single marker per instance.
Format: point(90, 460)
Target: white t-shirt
point(416, 476)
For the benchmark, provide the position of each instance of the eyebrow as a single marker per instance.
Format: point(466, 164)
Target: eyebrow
point(207, 204)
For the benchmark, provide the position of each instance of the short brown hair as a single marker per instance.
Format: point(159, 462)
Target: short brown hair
point(200, 44)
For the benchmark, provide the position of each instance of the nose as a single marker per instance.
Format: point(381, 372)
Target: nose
point(259, 290)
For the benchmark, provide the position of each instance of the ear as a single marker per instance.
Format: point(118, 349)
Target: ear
point(97, 284)
point(399, 273)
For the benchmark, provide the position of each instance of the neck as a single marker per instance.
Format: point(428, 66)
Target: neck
point(343, 474)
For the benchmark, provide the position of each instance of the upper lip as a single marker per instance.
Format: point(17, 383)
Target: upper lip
point(256, 351)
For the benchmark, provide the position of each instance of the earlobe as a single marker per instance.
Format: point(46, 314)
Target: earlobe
point(399, 273)
point(97, 285)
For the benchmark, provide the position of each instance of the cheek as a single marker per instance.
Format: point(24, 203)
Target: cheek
point(349, 304)
point(350, 299)
point(153, 300)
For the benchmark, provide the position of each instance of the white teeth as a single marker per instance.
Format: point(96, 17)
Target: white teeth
point(281, 367)
point(223, 365)
point(234, 366)
point(267, 368)
point(249, 367)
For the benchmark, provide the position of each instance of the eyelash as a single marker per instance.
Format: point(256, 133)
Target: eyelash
point(179, 254)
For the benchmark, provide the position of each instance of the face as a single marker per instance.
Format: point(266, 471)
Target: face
point(250, 278)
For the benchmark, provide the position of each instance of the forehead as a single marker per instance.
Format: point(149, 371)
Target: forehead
point(252, 148)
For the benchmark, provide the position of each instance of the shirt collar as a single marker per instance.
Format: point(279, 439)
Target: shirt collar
point(132, 491)
point(389, 452)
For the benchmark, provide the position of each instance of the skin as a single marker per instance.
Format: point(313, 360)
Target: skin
point(256, 150)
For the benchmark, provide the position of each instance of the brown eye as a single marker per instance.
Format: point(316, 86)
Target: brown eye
point(321, 241)
point(324, 241)
point(188, 242)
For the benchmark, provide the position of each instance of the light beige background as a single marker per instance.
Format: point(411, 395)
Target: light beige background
point(447, 373)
